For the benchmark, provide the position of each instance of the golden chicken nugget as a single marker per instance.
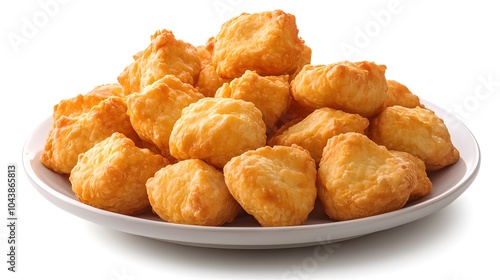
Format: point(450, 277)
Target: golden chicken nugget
point(71, 136)
point(191, 192)
point(424, 184)
point(112, 175)
point(266, 42)
point(358, 178)
point(353, 87)
point(417, 131)
point(276, 185)
point(165, 55)
point(270, 94)
point(205, 52)
point(217, 129)
point(305, 59)
point(313, 132)
point(209, 82)
point(155, 109)
point(399, 94)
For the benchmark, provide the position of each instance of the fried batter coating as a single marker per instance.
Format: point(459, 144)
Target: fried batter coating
point(313, 132)
point(191, 192)
point(305, 59)
point(417, 131)
point(71, 136)
point(217, 129)
point(353, 87)
point(276, 185)
point(358, 178)
point(399, 94)
point(266, 42)
point(112, 175)
point(209, 82)
point(73, 107)
point(270, 94)
point(155, 109)
point(424, 184)
point(165, 55)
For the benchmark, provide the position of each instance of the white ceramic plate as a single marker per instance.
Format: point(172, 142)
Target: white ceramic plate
point(244, 233)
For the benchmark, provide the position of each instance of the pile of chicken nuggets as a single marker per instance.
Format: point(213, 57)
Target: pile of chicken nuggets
point(246, 125)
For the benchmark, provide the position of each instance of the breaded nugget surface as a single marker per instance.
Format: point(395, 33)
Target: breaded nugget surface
point(112, 175)
point(399, 94)
point(191, 192)
point(266, 42)
point(155, 109)
point(270, 94)
point(165, 55)
point(217, 129)
point(353, 87)
point(424, 184)
point(358, 178)
point(417, 131)
point(71, 136)
point(313, 132)
point(209, 82)
point(276, 185)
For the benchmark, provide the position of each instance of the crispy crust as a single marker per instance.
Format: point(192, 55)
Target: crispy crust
point(417, 131)
point(266, 42)
point(165, 55)
point(274, 184)
point(353, 87)
point(217, 129)
point(358, 178)
point(192, 192)
point(112, 175)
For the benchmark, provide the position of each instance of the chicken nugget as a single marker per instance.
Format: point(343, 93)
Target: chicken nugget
point(417, 131)
point(313, 132)
point(276, 185)
point(266, 42)
point(112, 175)
point(217, 129)
point(71, 136)
point(399, 94)
point(353, 87)
point(80, 104)
point(358, 178)
point(424, 184)
point(191, 192)
point(209, 82)
point(155, 109)
point(165, 55)
point(270, 94)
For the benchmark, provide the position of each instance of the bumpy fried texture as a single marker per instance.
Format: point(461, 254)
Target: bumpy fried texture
point(399, 94)
point(353, 87)
point(165, 55)
point(305, 59)
point(80, 104)
point(217, 129)
point(112, 175)
point(209, 82)
point(424, 185)
point(191, 192)
point(270, 94)
point(358, 178)
point(71, 136)
point(276, 185)
point(155, 109)
point(205, 52)
point(417, 131)
point(313, 132)
point(266, 42)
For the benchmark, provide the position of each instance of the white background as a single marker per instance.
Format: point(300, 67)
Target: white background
point(442, 51)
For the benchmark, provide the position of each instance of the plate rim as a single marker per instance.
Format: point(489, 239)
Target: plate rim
point(180, 233)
